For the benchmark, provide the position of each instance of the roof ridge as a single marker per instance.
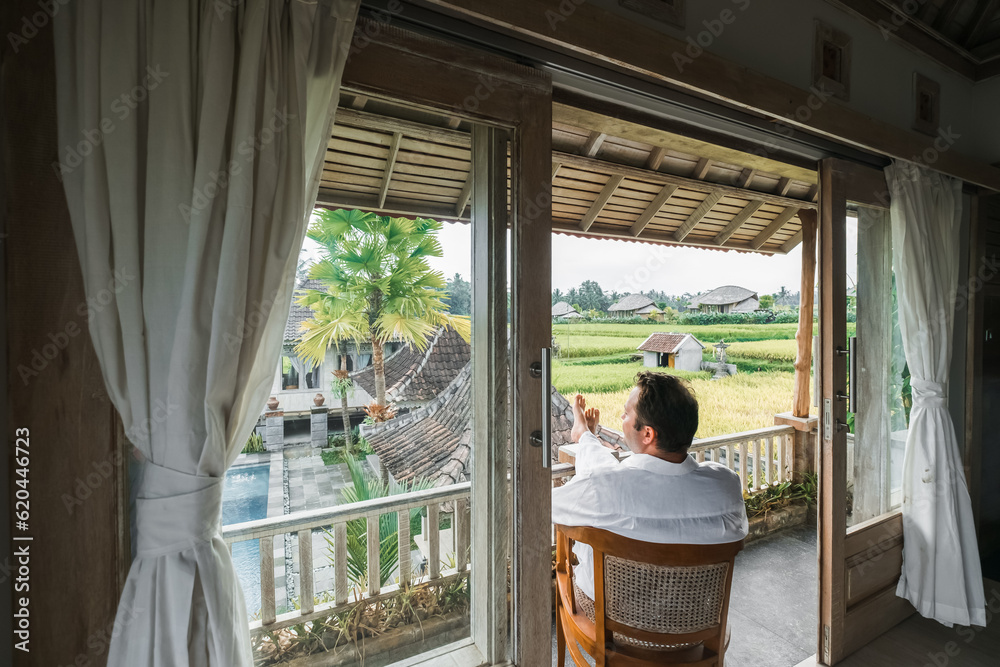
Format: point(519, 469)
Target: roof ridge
point(407, 379)
point(423, 411)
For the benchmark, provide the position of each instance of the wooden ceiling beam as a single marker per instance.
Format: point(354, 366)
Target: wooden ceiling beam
point(555, 170)
point(792, 242)
point(654, 207)
point(779, 221)
point(783, 185)
point(594, 143)
point(443, 211)
point(737, 222)
point(464, 196)
point(984, 12)
point(746, 177)
point(655, 158)
point(359, 101)
point(701, 169)
point(601, 201)
point(390, 164)
point(638, 173)
point(697, 216)
point(654, 237)
point(377, 123)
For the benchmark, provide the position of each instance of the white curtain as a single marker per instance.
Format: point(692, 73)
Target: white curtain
point(192, 137)
point(941, 574)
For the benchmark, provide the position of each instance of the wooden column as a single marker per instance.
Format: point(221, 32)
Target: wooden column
point(804, 335)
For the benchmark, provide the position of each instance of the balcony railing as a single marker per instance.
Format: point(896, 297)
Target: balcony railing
point(761, 458)
point(303, 523)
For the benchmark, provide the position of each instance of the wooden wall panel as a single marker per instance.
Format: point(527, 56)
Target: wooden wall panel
point(77, 557)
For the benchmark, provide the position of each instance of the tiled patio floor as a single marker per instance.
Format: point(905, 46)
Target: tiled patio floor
point(772, 610)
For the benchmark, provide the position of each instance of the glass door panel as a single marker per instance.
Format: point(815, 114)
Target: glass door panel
point(878, 378)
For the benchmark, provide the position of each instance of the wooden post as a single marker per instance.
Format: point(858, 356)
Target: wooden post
point(804, 335)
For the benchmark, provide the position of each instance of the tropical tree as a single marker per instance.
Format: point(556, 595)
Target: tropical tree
point(379, 286)
point(459, 296)
point(366, 487)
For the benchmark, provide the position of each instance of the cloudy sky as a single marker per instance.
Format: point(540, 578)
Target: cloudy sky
point(632, 267)
point(626, 267)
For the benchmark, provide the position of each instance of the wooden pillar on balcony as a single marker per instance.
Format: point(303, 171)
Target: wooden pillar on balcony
point(804, 336)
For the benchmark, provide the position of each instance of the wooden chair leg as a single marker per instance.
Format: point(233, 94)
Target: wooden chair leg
point(560, 641)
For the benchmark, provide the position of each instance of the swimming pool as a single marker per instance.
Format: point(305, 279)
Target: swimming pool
point(244, 498)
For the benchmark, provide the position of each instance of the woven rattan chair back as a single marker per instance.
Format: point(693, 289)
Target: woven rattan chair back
point(654, 603)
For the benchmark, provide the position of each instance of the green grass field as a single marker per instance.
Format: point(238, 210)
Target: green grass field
point(596, 360)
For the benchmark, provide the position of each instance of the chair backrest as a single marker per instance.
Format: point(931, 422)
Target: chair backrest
point(650, 596)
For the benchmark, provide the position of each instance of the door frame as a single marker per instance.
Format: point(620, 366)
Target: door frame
point(864, 557)
point(501, 94)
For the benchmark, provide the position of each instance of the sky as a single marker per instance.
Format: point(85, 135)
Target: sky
point(625, 266)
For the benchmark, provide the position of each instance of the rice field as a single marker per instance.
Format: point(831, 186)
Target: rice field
point(594, 360)
point(771, 350)
point(739, 403)
point(712, 333)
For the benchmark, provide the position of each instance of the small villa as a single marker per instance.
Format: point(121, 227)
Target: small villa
point(563, 310)
point(672, 350)
point(726, 299)
point(635, 305)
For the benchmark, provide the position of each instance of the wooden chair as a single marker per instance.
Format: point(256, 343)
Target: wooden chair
point(654, 604)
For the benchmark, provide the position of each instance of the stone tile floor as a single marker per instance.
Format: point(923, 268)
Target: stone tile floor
point(773, 604)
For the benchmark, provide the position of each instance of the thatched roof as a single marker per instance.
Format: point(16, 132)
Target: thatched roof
point(724, 295)
point(633, 302)
point(562, 309)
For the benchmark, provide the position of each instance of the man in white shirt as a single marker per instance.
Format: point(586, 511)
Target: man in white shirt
point(658, 494)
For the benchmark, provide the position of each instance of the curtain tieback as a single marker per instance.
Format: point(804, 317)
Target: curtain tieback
point(185, 510)
point(927, 394)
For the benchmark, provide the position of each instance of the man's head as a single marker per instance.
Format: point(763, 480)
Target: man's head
point(661, 415)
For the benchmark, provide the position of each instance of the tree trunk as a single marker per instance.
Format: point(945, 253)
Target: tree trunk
point(378, 361)
point(344, 413)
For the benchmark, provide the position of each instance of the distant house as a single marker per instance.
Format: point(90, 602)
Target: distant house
point(634, 304)
point(565, 311)
point(672, 350)
point(726, 299)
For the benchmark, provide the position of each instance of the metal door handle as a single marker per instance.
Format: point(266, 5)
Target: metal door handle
point(852, 373)
point(543, 438)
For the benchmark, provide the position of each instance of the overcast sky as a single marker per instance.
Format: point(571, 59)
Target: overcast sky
point(634, 267)
point(624, 266)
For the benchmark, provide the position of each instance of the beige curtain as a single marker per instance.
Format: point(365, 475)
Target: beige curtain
point(192, 138)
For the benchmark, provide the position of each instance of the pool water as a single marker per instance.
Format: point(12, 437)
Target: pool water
point(244, 498)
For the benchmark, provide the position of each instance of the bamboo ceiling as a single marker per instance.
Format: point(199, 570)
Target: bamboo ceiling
point(389, 160)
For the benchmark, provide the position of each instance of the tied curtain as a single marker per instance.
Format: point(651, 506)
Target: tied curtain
point(941, 574)
point(192, 136)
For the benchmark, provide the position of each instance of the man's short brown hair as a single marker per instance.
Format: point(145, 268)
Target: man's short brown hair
point(668, 406)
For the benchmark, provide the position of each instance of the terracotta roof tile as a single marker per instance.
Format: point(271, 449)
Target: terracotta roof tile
point(433, 442)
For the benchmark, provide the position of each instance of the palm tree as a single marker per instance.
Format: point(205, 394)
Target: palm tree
point(365, 487)
point(379, 286)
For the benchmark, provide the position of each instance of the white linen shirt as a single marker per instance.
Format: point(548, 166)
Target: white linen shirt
point(646, 498)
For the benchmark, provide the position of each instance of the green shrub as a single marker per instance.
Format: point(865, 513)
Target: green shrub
point(255, 444)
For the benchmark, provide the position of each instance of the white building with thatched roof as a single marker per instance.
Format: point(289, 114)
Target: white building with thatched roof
point(565, 311)
point(726, 299)
point(632, 305)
